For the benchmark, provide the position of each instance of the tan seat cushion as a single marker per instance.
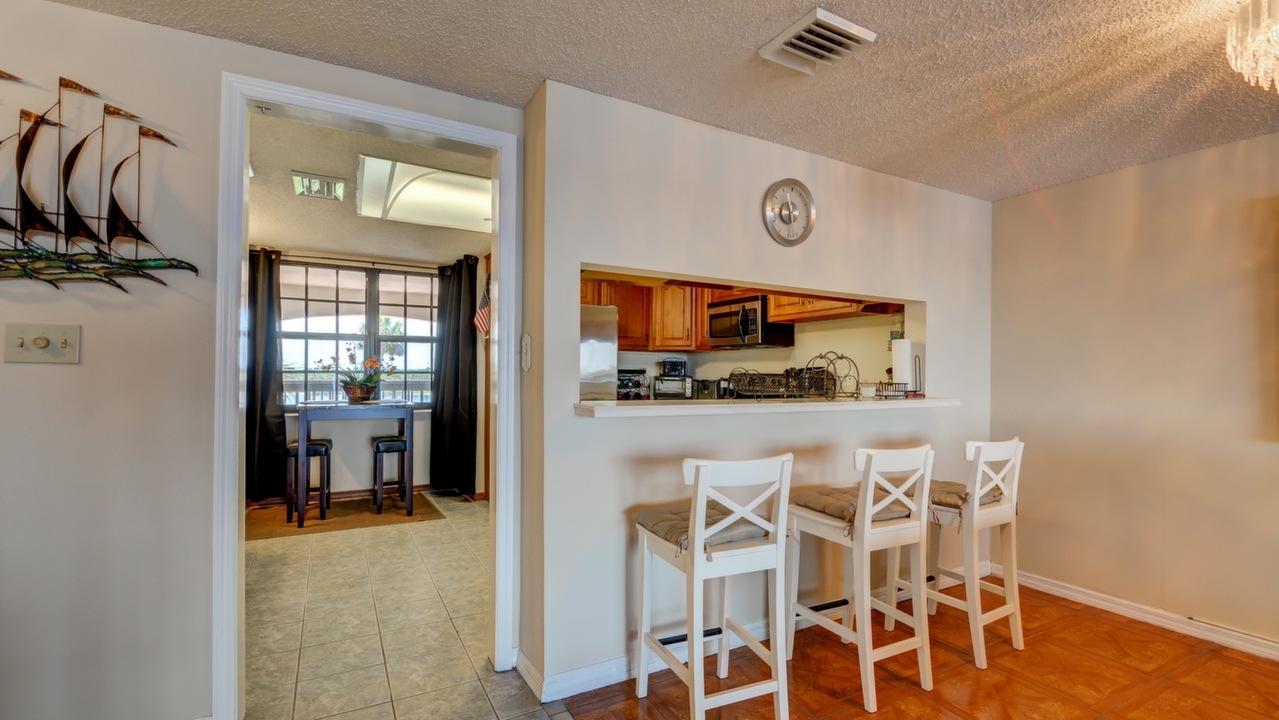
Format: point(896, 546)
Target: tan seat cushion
point(841, 503)
point(672, 523)
point(955, 495)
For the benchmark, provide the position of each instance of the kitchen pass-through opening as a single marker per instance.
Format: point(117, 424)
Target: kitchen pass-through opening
point(670, 339)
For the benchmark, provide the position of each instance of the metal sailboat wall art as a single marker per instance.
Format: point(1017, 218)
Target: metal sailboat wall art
point(68, 243)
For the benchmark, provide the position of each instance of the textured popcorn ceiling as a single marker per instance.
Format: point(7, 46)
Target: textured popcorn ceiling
point(958, 94)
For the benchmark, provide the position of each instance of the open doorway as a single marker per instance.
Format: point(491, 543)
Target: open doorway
point(396, 604)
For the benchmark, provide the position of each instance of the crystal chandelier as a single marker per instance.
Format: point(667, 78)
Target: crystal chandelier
point(1253, 43)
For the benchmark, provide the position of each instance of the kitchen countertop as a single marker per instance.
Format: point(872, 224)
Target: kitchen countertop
point(746, 406)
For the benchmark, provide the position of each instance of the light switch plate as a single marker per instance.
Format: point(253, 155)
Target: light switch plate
point(22, 341)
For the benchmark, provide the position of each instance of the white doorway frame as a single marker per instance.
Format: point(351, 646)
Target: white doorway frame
point(231, 363)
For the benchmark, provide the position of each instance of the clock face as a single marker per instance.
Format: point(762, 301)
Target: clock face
point(789, 212)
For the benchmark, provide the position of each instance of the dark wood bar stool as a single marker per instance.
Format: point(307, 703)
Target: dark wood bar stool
point(322, 449)
point(381, 446)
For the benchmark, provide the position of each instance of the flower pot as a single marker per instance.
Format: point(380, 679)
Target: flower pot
point(357, 394)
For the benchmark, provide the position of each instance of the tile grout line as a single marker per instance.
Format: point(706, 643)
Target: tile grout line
point(483, 688)
point(460, 541)
point(297, 674)
point(377, 620)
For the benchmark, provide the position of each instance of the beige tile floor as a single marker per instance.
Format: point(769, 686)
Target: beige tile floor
point(378, 624)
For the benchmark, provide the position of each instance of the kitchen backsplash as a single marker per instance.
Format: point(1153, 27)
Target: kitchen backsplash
point(864, 339)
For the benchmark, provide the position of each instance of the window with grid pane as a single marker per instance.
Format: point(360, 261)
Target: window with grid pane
point(406, 333)
point(328, 312)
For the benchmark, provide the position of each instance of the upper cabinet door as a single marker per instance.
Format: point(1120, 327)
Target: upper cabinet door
point(717, 295)
point(701, 333)
point(783, 308)
point(634, 307)
point(674, 310)
point(795, 309)
point(591, 292)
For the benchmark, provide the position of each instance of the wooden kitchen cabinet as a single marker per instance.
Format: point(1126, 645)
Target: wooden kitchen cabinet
point(634, 313)
point(798, 309)
point(717, 295)
point(591, 292)
point(674, 318)
point(701, 331)
point(782, 308)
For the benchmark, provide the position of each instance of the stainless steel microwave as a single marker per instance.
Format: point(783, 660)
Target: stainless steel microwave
point(743, 322)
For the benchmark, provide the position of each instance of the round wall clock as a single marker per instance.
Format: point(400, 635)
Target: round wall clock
point(789, 212)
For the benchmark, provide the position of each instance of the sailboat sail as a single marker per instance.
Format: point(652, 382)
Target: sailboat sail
point(74, 225)
point(118, 224)
point(30, 217)
point(67, 261)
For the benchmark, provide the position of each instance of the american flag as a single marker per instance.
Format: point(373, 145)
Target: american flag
point(481, 320)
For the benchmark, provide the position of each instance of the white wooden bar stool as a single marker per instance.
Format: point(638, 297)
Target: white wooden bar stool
point(974, 506)
point(724, 538)
point(894, 487)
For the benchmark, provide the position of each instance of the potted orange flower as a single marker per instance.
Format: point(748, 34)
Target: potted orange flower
point(359, 382)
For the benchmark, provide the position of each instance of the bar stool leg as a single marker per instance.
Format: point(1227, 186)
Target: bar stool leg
point(850, 591)
point(934, 563)
point(306, 489)
point(404, 479)
point(377, 481)
point(1012, 592)
point(972, 587)
point(324, 487)
point(792, 586)
point(726, 602)
point(328, 483)
point(894, 571)
point(645, 619)
point(290, 475)
point(777, 606)
point(919, 579)
point(696, 647)
point(865, 650)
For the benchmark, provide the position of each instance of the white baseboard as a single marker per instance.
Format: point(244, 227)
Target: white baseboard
point(1161, 618)
point(620, 669)
point(531, 676)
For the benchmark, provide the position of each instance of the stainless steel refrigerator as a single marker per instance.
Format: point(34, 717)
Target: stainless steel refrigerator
point(598, 353)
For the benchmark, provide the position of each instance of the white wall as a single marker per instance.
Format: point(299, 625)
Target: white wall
point(1134, 345)
point(630, 187)
point(106, 486)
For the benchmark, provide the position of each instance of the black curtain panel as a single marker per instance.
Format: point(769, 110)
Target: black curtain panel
point(266, 444)
point(453, 390)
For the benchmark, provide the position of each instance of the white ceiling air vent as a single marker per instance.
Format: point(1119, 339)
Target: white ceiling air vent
point(817, 40)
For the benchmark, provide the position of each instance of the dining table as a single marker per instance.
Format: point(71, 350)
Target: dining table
point(372, 410)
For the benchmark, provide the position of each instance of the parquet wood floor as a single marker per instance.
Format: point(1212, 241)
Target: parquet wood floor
point(1079, 663)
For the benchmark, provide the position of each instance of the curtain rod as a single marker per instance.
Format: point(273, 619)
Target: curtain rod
point(348, 261)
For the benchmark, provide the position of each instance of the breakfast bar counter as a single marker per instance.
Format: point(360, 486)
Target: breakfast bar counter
point(746, 406)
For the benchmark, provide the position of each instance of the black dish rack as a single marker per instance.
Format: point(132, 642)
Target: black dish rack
point(793, 383)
